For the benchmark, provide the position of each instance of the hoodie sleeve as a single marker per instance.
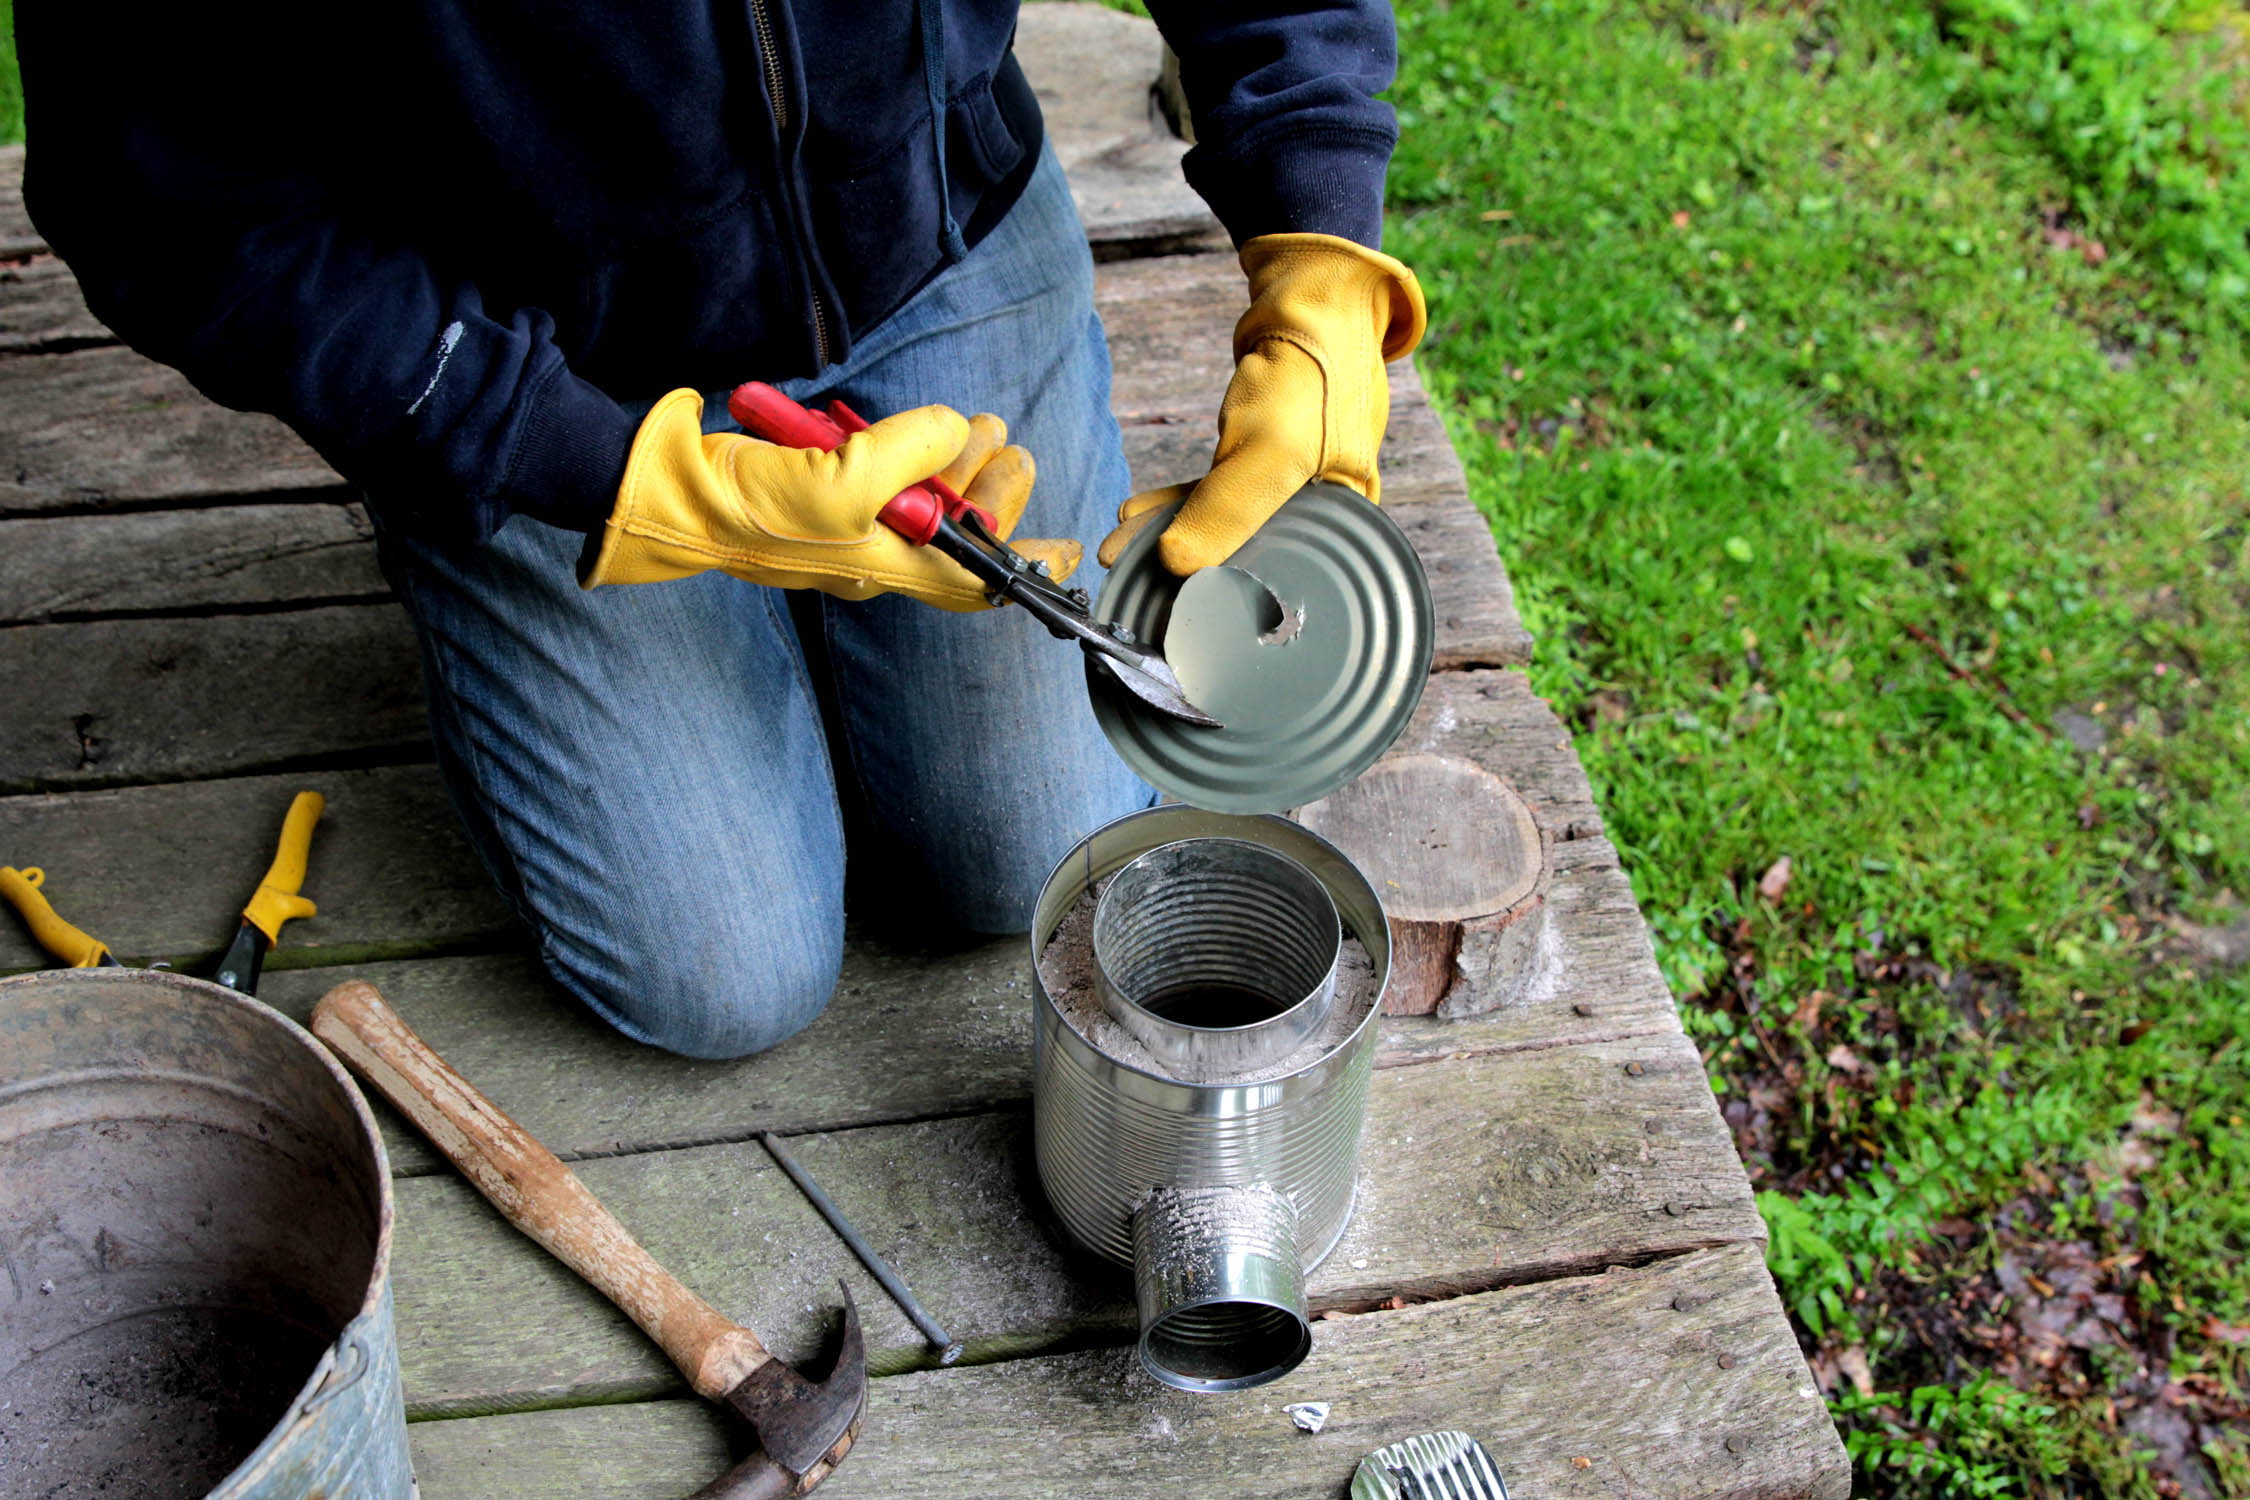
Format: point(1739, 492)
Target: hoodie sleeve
point(1289, 134)
point(189, 199)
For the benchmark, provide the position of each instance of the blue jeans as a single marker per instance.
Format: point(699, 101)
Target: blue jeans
point(661, 777)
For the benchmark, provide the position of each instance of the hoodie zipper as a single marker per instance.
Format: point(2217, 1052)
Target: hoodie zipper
point(777, 92)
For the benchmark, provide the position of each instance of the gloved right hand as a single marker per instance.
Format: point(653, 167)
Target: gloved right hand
point(798, 518)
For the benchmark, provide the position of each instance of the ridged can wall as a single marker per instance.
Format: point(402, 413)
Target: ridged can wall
point(1111, 1137)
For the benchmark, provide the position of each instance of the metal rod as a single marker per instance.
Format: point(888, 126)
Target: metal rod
point(947, 1346)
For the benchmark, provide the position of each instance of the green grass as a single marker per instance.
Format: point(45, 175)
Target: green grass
point(1829, 471)
point(11, 83)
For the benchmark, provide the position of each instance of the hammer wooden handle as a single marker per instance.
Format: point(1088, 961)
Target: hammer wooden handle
point(539, 1195)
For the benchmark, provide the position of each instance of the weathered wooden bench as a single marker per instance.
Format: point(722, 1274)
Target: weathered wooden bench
point(1555, 1247)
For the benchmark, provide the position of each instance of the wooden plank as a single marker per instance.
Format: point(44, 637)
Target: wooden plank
point(41, 309)
point(148, 700)
point(273, 554)
point(139, 862)
point(162, 872)
point(1679, 1378)
point(321, 553)
point(106, 427)
point(150, 561)
point(1170, 323)
point(17, 238)
point(503, 1022)
point(155, 439)
point(906, 1036)
point(1494, 1170)
point(113, 702)
point(1477, 623)
point(1093, 69)
point(159, 872)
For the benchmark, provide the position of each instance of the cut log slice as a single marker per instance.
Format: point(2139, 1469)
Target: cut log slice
point(1451, 849)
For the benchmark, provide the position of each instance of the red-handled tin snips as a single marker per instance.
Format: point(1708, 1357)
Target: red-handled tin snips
point(931, 514)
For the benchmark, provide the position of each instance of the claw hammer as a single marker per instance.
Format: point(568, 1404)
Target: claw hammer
point(804, 1427)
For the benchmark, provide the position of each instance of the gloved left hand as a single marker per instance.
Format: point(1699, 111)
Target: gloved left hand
point(1309, 399)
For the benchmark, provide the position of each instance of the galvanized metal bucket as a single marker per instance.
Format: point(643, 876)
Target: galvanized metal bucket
point(195, 1230)
point(1220, 1196)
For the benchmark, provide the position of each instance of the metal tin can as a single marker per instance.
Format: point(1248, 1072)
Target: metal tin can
point(1219, 1195)
point(195, 1231)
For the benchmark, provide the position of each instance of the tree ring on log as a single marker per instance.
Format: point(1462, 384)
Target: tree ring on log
point(1456, 855)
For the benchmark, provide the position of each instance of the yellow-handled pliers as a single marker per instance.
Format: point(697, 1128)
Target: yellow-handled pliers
point(20, 889)
point(275, 902)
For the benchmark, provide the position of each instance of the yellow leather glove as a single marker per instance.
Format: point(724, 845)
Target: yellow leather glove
point(1309, 398)
point(797, 518)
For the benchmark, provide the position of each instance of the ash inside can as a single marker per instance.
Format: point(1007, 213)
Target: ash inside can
point(1066, 967)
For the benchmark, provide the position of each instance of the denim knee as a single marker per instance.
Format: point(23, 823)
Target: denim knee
point(722, 993)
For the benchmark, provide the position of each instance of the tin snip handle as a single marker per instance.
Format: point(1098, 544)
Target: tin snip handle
point(932, 514)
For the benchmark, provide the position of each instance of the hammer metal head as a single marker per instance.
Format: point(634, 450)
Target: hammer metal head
point(800, 1423)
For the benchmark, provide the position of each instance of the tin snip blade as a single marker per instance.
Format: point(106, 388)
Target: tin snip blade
point(931, 514)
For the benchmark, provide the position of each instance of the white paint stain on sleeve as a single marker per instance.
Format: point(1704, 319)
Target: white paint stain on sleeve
point(446, 341)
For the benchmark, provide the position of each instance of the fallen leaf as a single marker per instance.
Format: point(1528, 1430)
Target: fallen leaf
point(2136, 1157)
point(1808, 1009)
point(1844, 1060)
point(1610, 707)
point(2152, 1118)
point(2225, 1333)
point(1775, 881)
point(1853, 1362)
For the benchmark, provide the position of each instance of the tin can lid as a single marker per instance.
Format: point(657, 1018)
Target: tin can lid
point(1310, 645)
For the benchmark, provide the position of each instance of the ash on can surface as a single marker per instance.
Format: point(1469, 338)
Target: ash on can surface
point(1066, 967)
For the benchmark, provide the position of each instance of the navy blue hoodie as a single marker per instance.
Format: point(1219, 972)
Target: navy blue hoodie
point(444, 241)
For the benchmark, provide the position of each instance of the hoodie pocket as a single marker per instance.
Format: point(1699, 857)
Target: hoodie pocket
point(880, 227)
